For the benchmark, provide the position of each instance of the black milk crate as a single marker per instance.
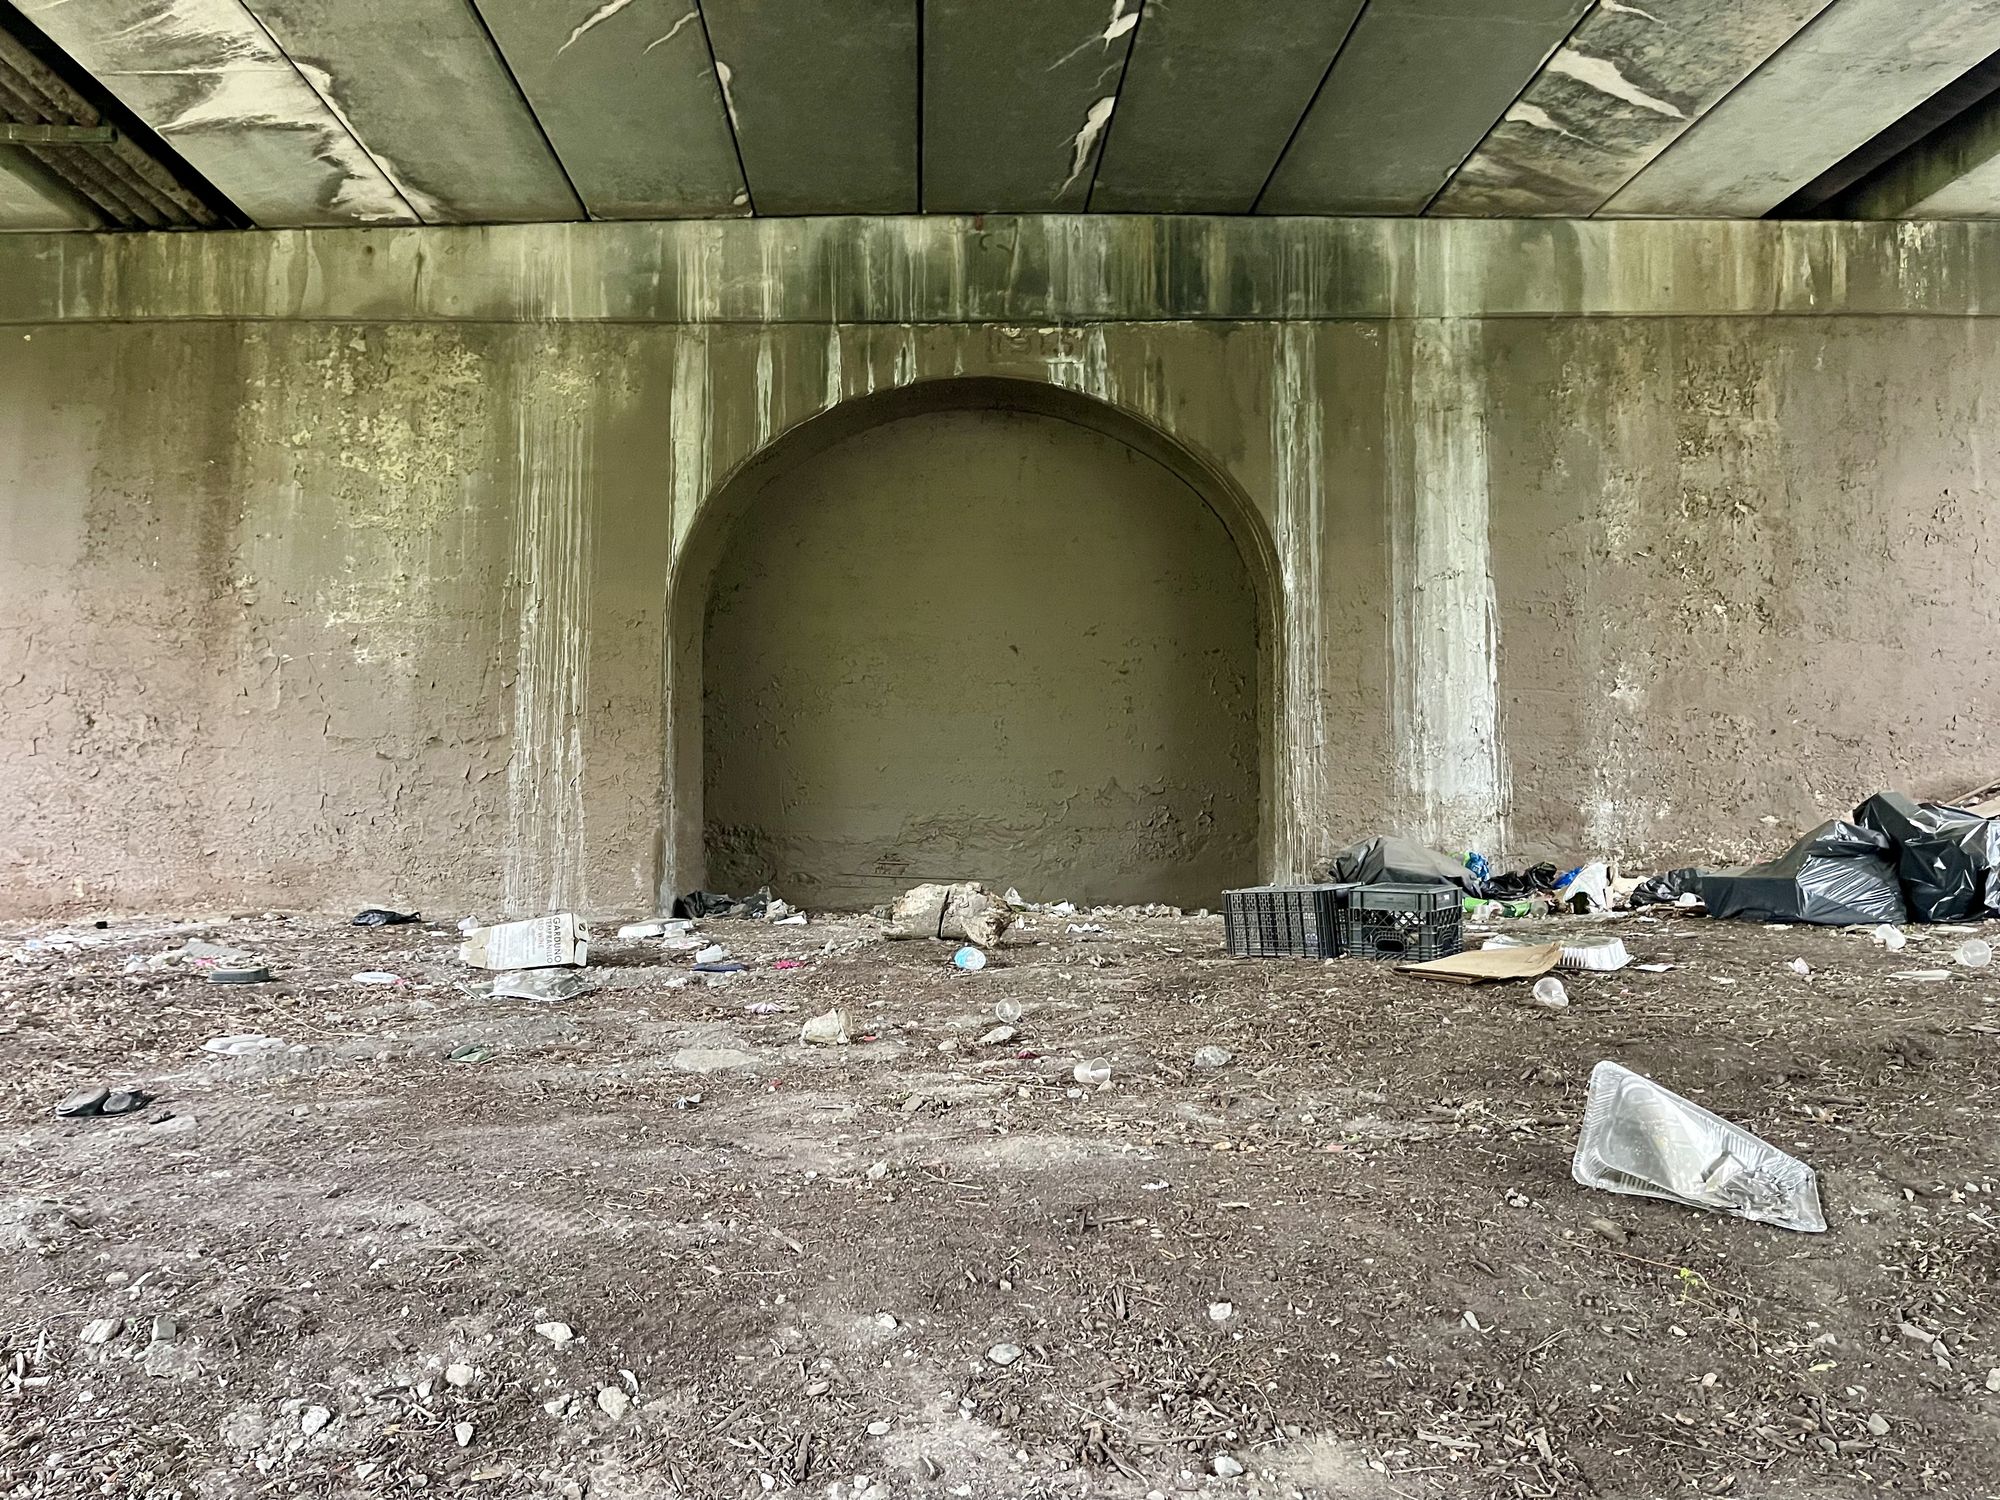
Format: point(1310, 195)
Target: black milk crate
point(1409, 923)
point(1283, 921)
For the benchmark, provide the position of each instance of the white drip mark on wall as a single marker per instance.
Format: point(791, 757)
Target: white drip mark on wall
point(1446, 644)
point(1302, 800)
point(1529, 114)
point(428, 208)
point(836, 387)
point(672, 33)
point(1080, 362)
point(1122, 22)
point(592, 21)
point(1629, 10)
point(725, 77)
point(763, 387)
point(687, 426)
point(1085, 140)
point(552, 572)
point(1603, 75)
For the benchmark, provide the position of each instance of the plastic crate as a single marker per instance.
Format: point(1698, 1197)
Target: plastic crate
point(1283, 921)
point(1408, 923)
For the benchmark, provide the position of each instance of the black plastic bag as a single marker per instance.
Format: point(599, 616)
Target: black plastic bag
point(1388, 860)
point(1839, 875)
point(383, 916)
point(1947, 858)
point(1518, 883)
point(699, 904)
point(1667, 888)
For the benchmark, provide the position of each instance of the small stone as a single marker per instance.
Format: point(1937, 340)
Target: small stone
point(877, 1171)
point(1993, 1379)
point(555, 1406)
point(102, 1330)
point(878, 1429)
point(1610, 1231)
point(1878, 1424)
point(1004, 1354)
point(1224, 1466)
point(556, 1333)
point(459, 1375)
point(1210, 1059)
point(886, 1322)
point(1221, 1312)
point(613, 1402)
point(313, 1418)
point(165, 1329)
point(463, 1432)
point(819, 1388)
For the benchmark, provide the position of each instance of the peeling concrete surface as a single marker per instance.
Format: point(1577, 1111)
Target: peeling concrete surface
point(1857, 69)
point(1624, 86)
point(209, 79)
point(406, 594)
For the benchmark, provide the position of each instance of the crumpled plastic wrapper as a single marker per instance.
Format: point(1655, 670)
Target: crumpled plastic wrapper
point(1647, 1141)
point(967, 912)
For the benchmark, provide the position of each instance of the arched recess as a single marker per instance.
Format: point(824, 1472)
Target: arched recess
point(732, 514)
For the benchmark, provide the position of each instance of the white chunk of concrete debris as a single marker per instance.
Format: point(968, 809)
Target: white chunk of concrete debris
point(613, 1402)
point(101, 1330)
point(1225, 1466)
point(459, 1375)
point(313, 1418)
point(829, 1030)
point(1004, 1354)
point(463, 1432)
point(1221, 1312)
point(556, 1333)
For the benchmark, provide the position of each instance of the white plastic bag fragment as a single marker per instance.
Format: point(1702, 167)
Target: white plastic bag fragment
point(1647, 1141)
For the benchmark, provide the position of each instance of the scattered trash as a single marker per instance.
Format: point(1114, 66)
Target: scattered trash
point(1007, 1012)
point(788, 963)
point(1837, 875)
point(1211, 1059)
point(92, 1103)
point(1603, 955)
point(1642, 1139)
point(829, 1030)
point(1588, 888)
point(1654, 968)
point(377, 976)
point(1892, 938)
point(384, 916)
point(999, 1036)
point(768, 1008)
point(471, 1052)
point(558, 940)
point(1094, 1073)
point(1800, 967)
point(1923, 976)
point(778, 911)
point(796, 919)
point(1548, 994)
point(242, 1045)
point(1501, 959)
point(1397, 861)
point(245, 974)
point(1973, 953)
point(967, 911)
point(1673, 888)
point(1087, 929)
point(634, 932)
point(714, 953)
point(969, 958)
point(538, 984)
point(696, 905)
point(730, 966)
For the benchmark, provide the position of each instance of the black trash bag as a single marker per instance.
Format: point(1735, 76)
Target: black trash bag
point(1516, 884)
point(1838, 875)
point(1668, 887)
point(383, 916)
point(699, 904)
point(1947, 858)
point(1389, 860)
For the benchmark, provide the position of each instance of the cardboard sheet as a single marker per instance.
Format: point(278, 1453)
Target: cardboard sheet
point(1488, 965)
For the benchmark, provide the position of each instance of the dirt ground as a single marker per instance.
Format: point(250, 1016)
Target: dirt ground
point(1352, 1262)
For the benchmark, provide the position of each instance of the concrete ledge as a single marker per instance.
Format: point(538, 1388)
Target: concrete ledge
point(1037, 270)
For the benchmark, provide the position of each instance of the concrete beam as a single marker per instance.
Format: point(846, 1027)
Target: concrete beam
point(631, 101)
point(1857, 69)
point(1032, 272)
point(1414, 91)
point(209, 79)
point(454, 135)
point(826, 102)
point(1628, 82)
point(1952, 174)
point(1210, 101)
point(1018, 98)
point(29, 201)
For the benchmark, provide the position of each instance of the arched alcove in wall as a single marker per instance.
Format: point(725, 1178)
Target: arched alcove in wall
point(972, 629)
